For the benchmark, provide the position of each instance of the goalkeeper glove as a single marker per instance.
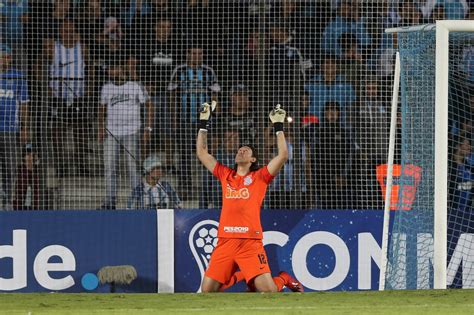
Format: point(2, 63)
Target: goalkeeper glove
point(205, 114)
point(277, 116)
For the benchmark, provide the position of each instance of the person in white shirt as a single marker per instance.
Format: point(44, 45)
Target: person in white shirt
point(120, 126)
point(152, 192)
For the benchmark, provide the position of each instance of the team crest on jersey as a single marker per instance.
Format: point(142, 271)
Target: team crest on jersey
point(247, 180)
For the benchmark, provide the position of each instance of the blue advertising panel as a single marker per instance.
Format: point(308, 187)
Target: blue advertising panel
point(323, 249)
point(64, 250)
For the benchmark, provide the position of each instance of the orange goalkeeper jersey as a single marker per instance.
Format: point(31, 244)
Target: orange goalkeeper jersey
point(242, 198)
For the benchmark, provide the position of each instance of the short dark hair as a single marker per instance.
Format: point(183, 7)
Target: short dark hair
point(118, 60)
point(238, 88)
point(347, 41)
point(333, 105)
point(194, 43)
point(329, 58)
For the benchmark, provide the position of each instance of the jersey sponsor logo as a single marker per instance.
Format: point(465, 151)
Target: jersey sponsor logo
point(231, 193)
point(119, 98)
point(248, 180)
point(7, 93)
point(236, 229)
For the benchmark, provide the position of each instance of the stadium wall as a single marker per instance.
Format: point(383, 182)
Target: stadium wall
point(324, 249)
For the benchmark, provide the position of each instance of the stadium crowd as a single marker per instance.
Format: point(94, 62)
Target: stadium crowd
point(329, 63)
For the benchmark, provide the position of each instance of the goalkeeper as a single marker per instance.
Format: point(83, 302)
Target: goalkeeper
point(240, 232)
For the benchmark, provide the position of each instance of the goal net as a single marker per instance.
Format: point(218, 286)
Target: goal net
point(105, 92)
point(436, 161)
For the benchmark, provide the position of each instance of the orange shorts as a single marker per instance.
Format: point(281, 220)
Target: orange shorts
point(231, 254)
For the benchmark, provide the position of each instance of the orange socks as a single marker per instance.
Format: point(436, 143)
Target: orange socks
point(280, 282)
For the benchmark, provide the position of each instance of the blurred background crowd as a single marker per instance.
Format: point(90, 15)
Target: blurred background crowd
point(329, 63)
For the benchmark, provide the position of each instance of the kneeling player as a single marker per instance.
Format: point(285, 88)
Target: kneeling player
point(240, 232)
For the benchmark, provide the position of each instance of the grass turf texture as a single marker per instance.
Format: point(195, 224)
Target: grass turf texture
point(368, 302)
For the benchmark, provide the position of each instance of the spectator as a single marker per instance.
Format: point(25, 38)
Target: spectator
point(283, 192)
point(299, 23)
point(214, 24)
point(381, 57)
point(238, 116)
point(13, 16)
point(285, 78)
point(328, 87)
point(121, 101)
point(197, 22)
point(60, 11)
point(111, 44)
point(466, 65)
point(142, 27)
point(382, 62)
point(68, 108)
point(461, 175)
point(370, 119)
point(90, 18)
point(157, 57)
point(286, 70)
point(461, 93)
point(191, 84)
point(27, 186)
point(409, 13)
point(380, 15)
point(152, 192)
point(317, 14)
point(454, 9)
point(35, 31)
point(14, 122)
point(438, 13)
point(461, 179)
point(331, 159)
point(352, 65)
point(133, 10)
point(112, 29)
point(347, 20)
point(247, 62)
point(308, 140)
point(470, 15)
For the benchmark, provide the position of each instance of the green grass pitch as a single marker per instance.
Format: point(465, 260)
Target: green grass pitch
point(368, 302)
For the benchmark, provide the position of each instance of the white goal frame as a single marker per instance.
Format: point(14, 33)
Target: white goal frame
point(443, 28)
point(440, 255)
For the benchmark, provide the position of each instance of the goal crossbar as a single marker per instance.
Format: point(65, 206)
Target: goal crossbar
point(443, 29)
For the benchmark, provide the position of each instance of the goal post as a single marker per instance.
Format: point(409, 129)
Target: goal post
point(443, 29)
point(391, 151)
point(417, 249)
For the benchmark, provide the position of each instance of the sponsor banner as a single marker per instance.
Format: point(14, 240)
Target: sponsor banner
point(324, 250)
point(64, 250)
point(170, 250)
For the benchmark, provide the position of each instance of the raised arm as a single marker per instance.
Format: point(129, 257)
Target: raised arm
point(277, 116)
point(201, 143)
